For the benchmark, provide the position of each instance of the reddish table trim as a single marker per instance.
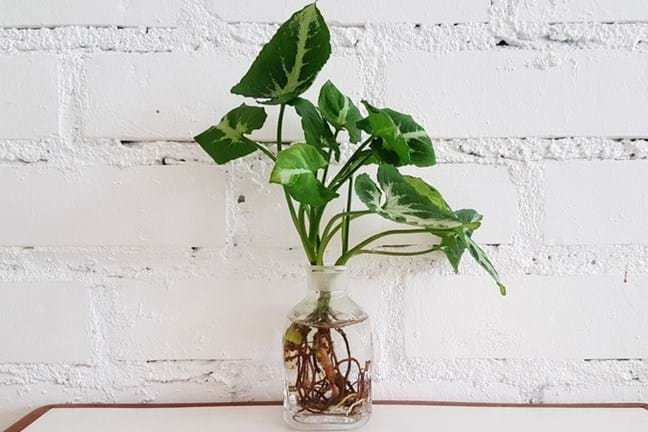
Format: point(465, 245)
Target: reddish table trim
point(30, 418)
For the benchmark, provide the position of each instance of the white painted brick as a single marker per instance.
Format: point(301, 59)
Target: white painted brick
point(558, 317)
point(358, 11)
point(581, 10)
point(463, 185)
point(523, 93)
point(202, 319)
point(177, 96)
point(45, 322)
point(595, 394)
point(208, 319)
point(28, 96)
point(35, 13)
point(596, 202)
point(113, 206)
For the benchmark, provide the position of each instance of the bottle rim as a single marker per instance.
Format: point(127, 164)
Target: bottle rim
point(326, 268)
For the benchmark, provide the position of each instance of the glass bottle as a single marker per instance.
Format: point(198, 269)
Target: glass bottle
point(327, 356)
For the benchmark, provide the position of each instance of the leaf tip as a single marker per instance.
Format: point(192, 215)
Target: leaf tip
point(502, 288)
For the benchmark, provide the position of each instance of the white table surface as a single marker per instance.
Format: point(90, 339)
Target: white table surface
point(392, 418)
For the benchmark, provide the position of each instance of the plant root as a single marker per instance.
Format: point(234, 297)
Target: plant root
point(327, 380)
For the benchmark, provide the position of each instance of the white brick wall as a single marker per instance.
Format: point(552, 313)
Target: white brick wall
point(562, 317)
point(608, 204)
point(128, 260)
point(107, 206)
point(28, 96)
point(45, 322)
point(581, 10)
point(36, 13)
point(357, 12)
point(505, 93)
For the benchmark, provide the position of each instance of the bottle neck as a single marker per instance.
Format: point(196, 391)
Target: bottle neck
point(327, 279)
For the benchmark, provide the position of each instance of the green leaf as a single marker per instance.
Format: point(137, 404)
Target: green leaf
point(398, 200)
point(454, 243)
point(226, 141)
point(392, 146)
point(287, 65)
point(316, 130)
point(427, 191)
point(368, 192)
point(403, 141)
point(482, 259)
point(296, 169)
point(340, 111)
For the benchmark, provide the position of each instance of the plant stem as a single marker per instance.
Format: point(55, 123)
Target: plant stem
point(297, 221)
point(266, 151)
point(342, 176)
point(347, 220)
point(414, 253)
point(282, 111)
point(329, 231)
point(359, 247)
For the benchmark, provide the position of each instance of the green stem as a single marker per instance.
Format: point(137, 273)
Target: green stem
point(414, 253)
point(326, 168)
point(298, 222)
point(347, 220)
point(330, 230)
point(342, 175)
point(265, 150)
point(282, 111)
point(359, 247)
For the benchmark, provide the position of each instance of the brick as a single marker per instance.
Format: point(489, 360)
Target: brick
point(582, 10)
point(357, 12)
point(28, 96)
point(208, 318)
point(45, 322)
point(596, 202)
point(112, 206)
point(558, 317)
point(36, 13)
point(522, 93)
point(463, 185)
point(177, 96)
point(631, 392)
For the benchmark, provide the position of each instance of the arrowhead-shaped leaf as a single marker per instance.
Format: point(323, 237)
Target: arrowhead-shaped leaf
point(482, 259)
point(403, 199)
point(287, 65)
point(296, 169)
point(316, 130)
point(402, 140)
point(340, 111)
point(454, 243)
point(227, 141)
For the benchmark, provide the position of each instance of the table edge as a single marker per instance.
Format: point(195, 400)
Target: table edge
point(34, 415)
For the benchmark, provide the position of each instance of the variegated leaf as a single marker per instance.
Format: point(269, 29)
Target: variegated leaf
point(296, 169)
point(402, 140)
point(398, 200)
point(482, 259)
point(316, 130)
point(226, 141)
point(287, 65)
point(454, 243)
point(340, 111)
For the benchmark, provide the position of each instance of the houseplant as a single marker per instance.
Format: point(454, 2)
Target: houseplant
point(327, 343)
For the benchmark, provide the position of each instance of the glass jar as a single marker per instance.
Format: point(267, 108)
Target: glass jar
point(327, 356)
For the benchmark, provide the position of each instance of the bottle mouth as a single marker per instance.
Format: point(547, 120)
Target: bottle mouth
point(326, 268)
